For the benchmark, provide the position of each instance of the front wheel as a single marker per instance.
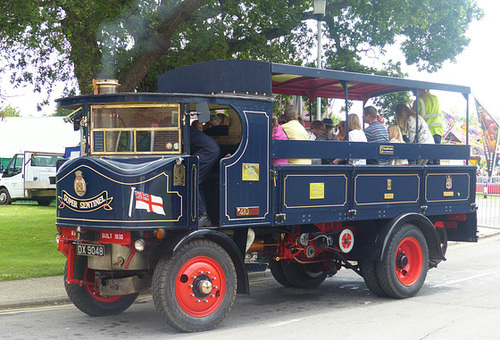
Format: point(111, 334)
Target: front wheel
point(4, 197)
point(404, 266)
point(87, 297)
point(195, 289)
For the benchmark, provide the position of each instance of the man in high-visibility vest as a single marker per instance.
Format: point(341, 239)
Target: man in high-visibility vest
point(428, 108)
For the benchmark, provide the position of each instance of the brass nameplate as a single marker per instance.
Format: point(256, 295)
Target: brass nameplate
point(179, 175)
point(388, 196)
point(448, 194)
point(386, 150)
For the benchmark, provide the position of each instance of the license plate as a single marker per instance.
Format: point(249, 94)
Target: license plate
point(90, 249)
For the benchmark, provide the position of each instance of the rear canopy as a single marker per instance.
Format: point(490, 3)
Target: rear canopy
point(261, 78)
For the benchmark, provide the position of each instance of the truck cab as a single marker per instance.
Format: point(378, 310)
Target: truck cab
point(27, 177)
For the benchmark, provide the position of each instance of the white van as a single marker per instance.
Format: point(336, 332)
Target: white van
point(26, 177)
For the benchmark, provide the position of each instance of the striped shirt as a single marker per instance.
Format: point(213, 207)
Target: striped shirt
point(376, 132)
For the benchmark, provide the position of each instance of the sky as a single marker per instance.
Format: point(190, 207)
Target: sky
point(477, 67)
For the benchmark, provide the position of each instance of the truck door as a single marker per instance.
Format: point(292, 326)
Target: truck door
point(13, 177)
point(245, 176)
point(37, 170)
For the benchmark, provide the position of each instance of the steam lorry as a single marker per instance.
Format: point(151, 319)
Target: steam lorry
point(128, 216)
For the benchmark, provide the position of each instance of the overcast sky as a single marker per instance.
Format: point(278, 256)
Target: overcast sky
point(477, 67)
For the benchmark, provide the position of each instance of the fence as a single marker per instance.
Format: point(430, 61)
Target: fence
point(488, 202)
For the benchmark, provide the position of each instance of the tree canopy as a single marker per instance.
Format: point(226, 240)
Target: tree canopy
point(74, 41)
point(9, 111)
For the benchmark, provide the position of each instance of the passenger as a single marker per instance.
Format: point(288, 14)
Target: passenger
point(295, 131)
point(214, 121)
point(197, 125)
point(355, 135)
point(278, 133)
point(224, 119)
point(428, 108)
point(395, 136)
point(375, 132)
point(406, 120)
point(340, 128)
point(208, 152)
point(321, 133)
point(319, 130)
point(215, 127)
point(329, 129)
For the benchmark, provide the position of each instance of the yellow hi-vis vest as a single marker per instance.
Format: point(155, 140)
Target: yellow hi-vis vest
point(428, 107)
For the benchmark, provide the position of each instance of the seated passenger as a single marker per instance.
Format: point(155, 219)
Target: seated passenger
point(396, 137)
point(355, 135)
point(278, 133)
point(294, 130)
point(215, 128)
point(375, 132)
point(340, 128)
point(329, 131)
point(407, 121)
point(318, 128)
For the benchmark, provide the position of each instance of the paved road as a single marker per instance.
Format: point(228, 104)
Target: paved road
point(459, 301)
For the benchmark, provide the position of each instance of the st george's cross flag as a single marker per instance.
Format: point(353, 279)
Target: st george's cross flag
point(148, 202)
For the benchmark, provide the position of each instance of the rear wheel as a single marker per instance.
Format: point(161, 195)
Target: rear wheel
point(195, 289)
point(276, 268)
point(303, 275)
point(4, 197)
point(404, 266)
point(87, 297)
point(369, 271)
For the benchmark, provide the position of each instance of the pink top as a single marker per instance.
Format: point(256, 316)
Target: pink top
point(278, 133)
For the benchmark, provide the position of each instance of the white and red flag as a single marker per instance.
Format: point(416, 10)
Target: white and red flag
point(145, 201)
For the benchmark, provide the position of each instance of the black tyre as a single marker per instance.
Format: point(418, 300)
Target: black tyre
point(369, 271)
point(194, 289)
point(303, 275)
point(4, 197)
point(403, 269)
point(276, 268)
point(87, 297)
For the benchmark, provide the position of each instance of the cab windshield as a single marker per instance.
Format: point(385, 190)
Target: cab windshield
point(135, 128)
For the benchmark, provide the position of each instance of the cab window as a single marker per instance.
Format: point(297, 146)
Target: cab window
point(136, 128)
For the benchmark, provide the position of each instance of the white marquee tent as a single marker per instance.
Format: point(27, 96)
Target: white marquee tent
point(48, 134)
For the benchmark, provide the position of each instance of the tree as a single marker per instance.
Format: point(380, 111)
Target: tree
point(43, 41)
point(9, 111)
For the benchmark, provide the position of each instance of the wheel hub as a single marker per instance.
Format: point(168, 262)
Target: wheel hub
point(401, 260)
point(202, 286)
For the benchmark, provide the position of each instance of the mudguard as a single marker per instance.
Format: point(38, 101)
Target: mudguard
point(421, 222)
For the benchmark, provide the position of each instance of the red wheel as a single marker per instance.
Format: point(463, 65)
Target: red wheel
point(200, 286)
point(89, 276)
point(194, 289)
point(87, 297)
point(405, 262)
point(408, 261)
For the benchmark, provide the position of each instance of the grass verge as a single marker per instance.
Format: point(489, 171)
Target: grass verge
point(27, 242)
